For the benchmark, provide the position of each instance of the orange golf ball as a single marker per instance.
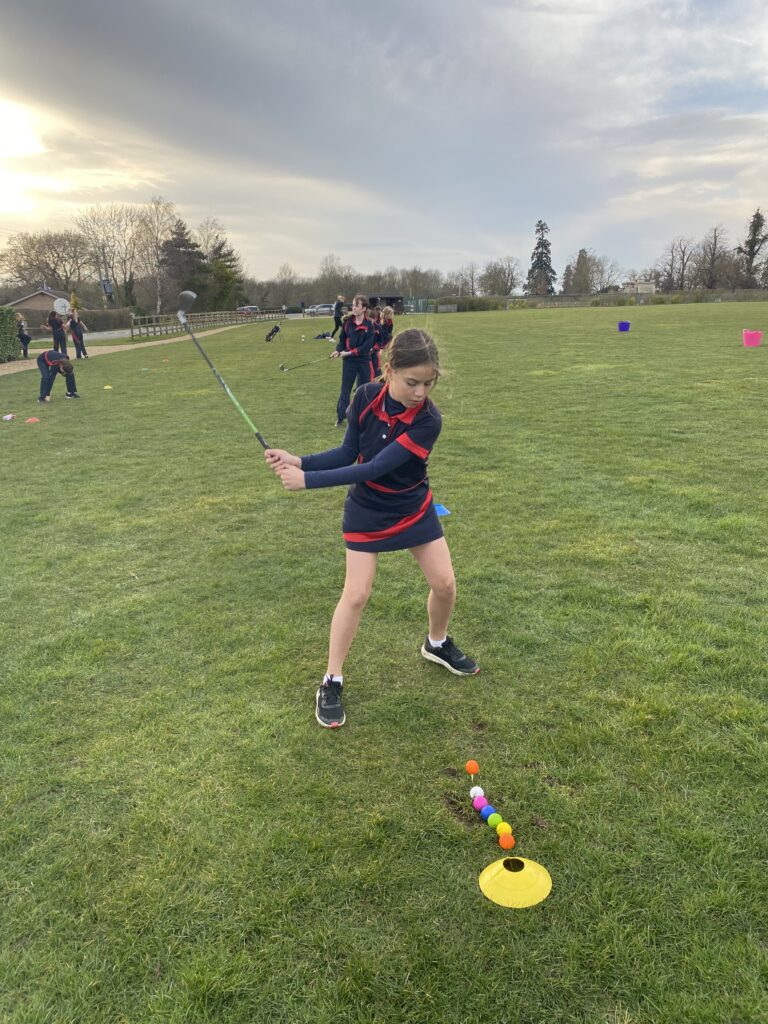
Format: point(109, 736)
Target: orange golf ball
point(472, 767)
point(506, 841)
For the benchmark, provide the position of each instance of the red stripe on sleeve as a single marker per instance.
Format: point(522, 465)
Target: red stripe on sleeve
point(411, 445)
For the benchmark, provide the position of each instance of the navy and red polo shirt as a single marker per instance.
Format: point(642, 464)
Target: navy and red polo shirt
point(384, 457)
point(52, 358)
point(356, 338)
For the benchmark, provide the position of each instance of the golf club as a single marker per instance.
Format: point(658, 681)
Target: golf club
point(285, 368)
point(185, 303)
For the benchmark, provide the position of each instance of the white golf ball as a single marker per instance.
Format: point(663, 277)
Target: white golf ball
point(476, 791)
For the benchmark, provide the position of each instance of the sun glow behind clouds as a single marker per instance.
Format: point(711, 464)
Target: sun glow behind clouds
point(20, 143)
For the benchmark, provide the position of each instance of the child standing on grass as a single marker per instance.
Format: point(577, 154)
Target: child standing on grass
point(393, 425)
point(55, 325)
point(21, 333)
point(385, 325)
point(76, 327)
point(354, 347)
point(50, 364)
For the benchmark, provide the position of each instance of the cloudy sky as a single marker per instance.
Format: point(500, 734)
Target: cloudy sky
point(407, 132)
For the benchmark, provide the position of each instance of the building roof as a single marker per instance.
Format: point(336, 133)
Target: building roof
point(47, 292)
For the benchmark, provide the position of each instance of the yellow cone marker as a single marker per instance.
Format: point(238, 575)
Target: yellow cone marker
point(515, 882)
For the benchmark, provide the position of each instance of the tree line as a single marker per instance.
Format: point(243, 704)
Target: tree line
point(684, 265)
point(141, 256)
point(120, 254)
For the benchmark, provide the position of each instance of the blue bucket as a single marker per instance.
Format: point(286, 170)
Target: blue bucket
point(623, 325)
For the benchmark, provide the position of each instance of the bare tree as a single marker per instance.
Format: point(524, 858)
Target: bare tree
point(113, 233)
point(208, 235)
point(501, 276)
point(285, 283)
point(62, 259)
point(712, 259)
point(455, 282)
point(666, 266)
point(157, 219)
point(334, 278)
point(606, 273)
point(686, 251)
point(471, 273)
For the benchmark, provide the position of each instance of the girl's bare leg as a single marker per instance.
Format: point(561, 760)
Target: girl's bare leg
point(435, 561)
point(361, 569)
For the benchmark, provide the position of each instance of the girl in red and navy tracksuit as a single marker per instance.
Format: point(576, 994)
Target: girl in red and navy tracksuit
point(50, 364)
point(354, 347)
point(76, 327)
point(393, 425)
point(386, 327)
point(55, 325)
point(375, 318)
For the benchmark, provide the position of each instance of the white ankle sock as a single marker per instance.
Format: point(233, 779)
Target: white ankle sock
point(437, 643)
point(329, 678)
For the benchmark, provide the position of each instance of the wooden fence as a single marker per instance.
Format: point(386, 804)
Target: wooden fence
point(152, 326)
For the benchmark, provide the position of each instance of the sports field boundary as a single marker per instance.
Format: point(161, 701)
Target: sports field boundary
point(103, 350)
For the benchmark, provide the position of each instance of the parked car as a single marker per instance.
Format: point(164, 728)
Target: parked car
point(248, 310)
point(324, 309)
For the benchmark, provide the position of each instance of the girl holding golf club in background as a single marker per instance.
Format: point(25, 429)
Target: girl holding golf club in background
point(393, 425)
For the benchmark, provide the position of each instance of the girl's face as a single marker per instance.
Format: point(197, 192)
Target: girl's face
point(410, 387)
point(358, 308)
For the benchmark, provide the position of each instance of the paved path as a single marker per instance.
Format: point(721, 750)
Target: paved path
point(104, 350)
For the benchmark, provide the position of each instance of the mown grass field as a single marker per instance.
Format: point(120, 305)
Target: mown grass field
point(182, 843)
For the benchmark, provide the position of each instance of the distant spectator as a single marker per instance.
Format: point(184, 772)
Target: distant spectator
point(75, 326)
point(24, 338)
point(303, 307)
point(338, 310)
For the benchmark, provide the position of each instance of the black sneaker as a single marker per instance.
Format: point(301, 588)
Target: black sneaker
point(329, 711)
point(449, 656)
point(339, 423)
point(42, 401)
point(73, 395)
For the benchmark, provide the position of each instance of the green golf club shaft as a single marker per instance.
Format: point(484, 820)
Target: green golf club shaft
point(223, 383)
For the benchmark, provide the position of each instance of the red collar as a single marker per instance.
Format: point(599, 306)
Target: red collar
point(407, 416)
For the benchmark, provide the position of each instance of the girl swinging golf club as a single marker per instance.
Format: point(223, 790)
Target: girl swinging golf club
point(392, 427)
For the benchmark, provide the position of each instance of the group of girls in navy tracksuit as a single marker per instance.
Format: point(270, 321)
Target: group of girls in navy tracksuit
point(363, 336)
point(392, 425)
point(56, 360)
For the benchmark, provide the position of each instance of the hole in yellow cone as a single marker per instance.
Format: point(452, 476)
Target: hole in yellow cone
point(513, 864)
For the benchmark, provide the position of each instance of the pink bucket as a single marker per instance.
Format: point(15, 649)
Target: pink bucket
point(752, 338)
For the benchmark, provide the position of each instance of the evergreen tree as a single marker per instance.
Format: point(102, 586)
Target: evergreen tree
point(541, 277)
point(750, 249)
point(567, 288)
point(582, 274)
point(183, 261)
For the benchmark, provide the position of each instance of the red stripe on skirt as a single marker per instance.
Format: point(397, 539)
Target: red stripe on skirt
point(399, 527)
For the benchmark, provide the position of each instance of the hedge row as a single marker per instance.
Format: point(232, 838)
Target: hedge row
point(9, 339)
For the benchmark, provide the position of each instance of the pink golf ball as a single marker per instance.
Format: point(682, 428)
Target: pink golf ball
point(479, 803)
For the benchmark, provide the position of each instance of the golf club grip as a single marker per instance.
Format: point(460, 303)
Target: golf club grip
point(261, 440)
